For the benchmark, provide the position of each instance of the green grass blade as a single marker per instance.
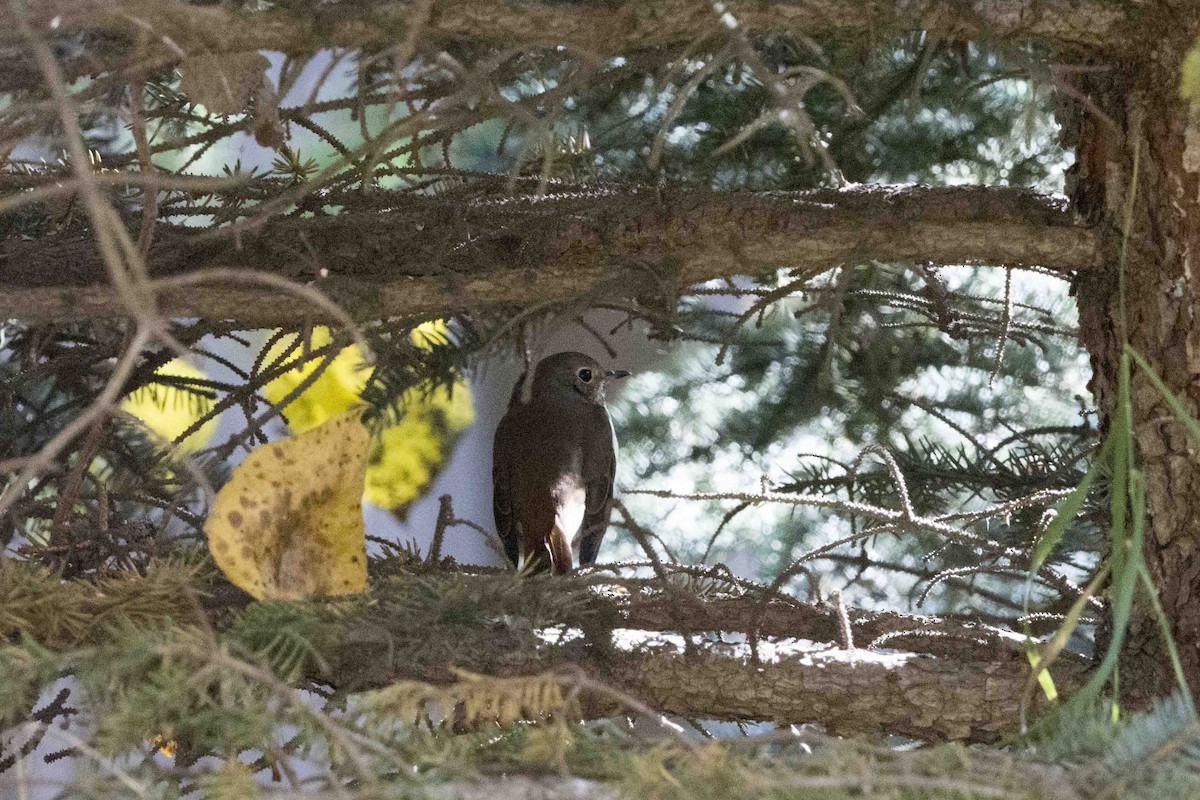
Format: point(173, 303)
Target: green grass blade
point(1067, 510)
point(1125, 558)
point(1165, 624)
point(1044, 657)
point(1124, 583)
point(1190, 424)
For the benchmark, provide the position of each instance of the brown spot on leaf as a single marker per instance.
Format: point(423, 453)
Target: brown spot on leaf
point(235, 519)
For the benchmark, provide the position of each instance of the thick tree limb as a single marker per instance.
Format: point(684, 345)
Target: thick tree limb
point(929, 635)
point(951, 682)
point(167, 29)
point(967, 695)
point(847, 692)
point(424, 256)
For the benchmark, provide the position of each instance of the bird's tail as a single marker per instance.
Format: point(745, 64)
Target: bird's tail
point(559, 546)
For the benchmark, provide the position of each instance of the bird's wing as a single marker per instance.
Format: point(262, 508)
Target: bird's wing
point(601, 471)
point(503, 448)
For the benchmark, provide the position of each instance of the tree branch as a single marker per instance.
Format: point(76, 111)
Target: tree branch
point(847, 692)
point(950, 680)
point(919, 634)
point(970, 695)
point(421, 255)
point(367, 645)
point(582, 27)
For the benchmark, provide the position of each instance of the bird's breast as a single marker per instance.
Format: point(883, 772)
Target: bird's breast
point(570, 502)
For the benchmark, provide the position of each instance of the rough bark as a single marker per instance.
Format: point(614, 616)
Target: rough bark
point(424, 256)
point(848, 692)
point(1153, 126)
point(947, 680)
point(166, 29)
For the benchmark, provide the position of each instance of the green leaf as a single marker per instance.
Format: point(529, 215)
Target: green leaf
point(1052, 649)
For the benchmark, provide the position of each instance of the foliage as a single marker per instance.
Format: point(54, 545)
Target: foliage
point(407, 453)
point(974, 385)
point(251, 690)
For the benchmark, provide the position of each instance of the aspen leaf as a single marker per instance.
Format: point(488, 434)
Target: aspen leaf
point(334, 392)
point(168, 747)
point(408, 454)
point(168, 410)
point(405, 458)
point(288, 525)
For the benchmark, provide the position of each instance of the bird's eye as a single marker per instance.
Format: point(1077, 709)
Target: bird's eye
point(585, 375)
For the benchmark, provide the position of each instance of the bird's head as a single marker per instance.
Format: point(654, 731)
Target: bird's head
point(570, 376)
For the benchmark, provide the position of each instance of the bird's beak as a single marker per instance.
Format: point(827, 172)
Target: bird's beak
point(617, 373)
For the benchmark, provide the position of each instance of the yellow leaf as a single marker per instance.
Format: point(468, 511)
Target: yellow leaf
point(408, 454)
point(1044, 679)
point(334, 392)
point(168, 411)
point(431, 333)
point(168, 747)
point(289, 525)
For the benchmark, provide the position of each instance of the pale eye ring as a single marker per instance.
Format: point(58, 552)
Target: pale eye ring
point(585, 375)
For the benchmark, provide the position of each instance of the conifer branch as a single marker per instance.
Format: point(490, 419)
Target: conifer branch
point(169, 30)
point(615, 242)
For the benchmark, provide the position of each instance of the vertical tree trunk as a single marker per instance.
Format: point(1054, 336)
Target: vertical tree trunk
point(1149, 124)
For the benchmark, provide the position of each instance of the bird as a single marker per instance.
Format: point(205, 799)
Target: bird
point(553, 462)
